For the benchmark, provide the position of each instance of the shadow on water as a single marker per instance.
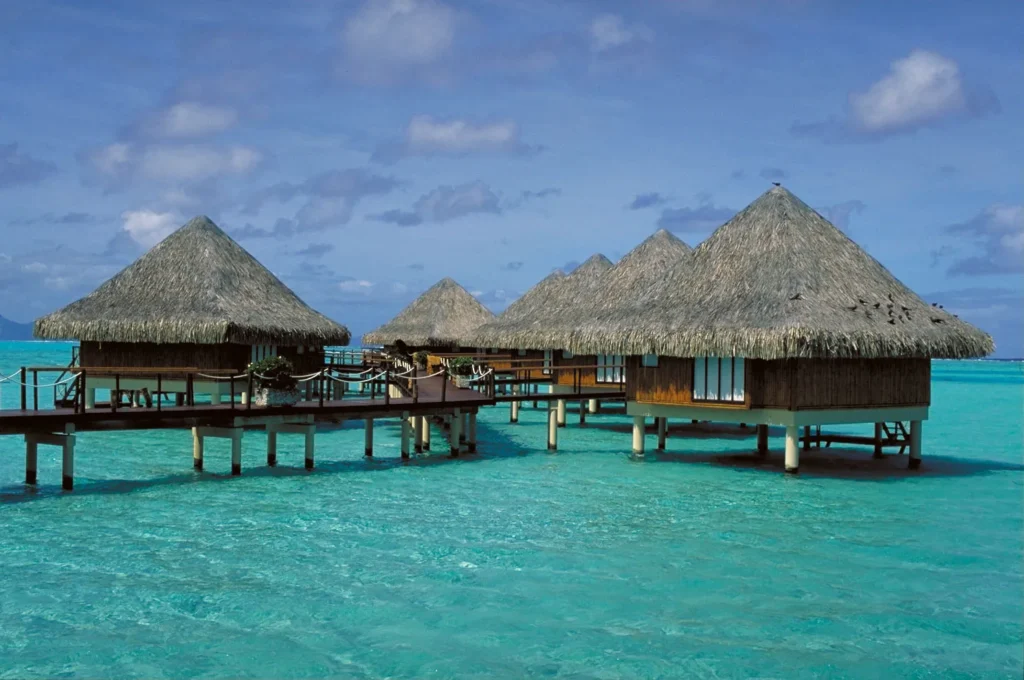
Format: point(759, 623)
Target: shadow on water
point(835, 462)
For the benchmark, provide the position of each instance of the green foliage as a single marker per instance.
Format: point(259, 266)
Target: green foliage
point(420, 358)
point(461, 366)
point(276, 373)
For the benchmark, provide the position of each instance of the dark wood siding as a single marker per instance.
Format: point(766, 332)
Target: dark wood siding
point(206, 357)
point(794, 384)
point(585, 376)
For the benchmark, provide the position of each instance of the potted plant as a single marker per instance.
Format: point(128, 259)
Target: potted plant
point(462, 369)
point(274, 381)
point(420, 358)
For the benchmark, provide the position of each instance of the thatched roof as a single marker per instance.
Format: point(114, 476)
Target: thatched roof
point(522, 326)
point(441, 317)
point(196, 286)
point(778, 281)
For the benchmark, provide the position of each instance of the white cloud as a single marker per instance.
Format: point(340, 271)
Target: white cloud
point(34, 268)
point(610, 32)
point(386, 39)
point(112, 159)
point(998, 233)
point(429, 136)
point(190, 119)
point(148, 227)
point(361, 286)
point(919, 89)
point(119, 163)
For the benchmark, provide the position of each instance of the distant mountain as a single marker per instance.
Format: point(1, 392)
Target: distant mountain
point(12, 330)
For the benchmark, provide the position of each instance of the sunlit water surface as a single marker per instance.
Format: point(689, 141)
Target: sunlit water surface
point(702, 562)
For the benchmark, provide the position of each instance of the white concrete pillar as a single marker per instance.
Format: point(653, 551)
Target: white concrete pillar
point(471, 434)
point(236, 451)
point(639, 425)
point(455, 431)
point(90, 397)
point(662, 433)
point(561, 412)
point(215, 397)
point(417, 434)
point(368, 434)
point(31, 461)
point(593, 406)
point(68, 459)
point(405, 434)
point(310, 446)
point(915, 445)
point(513, 416)
point(197, 449)
point(426, 433)
point(878, 441)
point(792, 449)
point(271, 448)
point(762, 440)
point(552, 427)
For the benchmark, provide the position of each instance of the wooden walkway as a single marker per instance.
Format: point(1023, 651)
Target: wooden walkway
point(434, 398)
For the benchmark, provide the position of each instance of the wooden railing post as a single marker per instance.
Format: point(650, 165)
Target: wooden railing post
point(231, 388)
point(24, 390)
point(415, 391)
point(387, 387)
point(444, 383)
point(35, 390)
point(159, 389)
point(81, 390)
point(248, 401)
point(115, 396)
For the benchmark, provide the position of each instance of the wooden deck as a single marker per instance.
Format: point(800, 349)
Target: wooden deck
point(428, 402)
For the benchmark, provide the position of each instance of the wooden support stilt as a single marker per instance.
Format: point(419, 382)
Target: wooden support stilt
point(455, 432)
point(368, 448)
point(426, 433)
point(878, 441)
point(536, 390)
point(405, 434)
point(807, 437)
point(639, 425)
point(197, 449)
point(463, 428)
point(915, 445)
point(762, 440)
point(418, 434)
point(68, 459)
point(792, 449)
point(552, 427)
point(662, 433)
point(583, 412)
point(179, 399)
point(31, 461)
point(236, 452)
point(271, 447)
point(561, 412)
point(310, 446)
point(471, 434)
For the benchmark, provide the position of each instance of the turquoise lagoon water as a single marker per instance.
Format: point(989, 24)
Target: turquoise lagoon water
point(519, 563)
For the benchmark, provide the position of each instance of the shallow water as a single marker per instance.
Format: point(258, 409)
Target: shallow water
point(702, 562)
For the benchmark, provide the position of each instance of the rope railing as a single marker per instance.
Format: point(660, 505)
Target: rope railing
point(10, 378)
point(357, 382)
point(424, 377)
point(34, 385)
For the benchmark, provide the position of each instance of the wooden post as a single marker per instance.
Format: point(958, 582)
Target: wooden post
point(68, 459)
point(418, 429)
point(368, 449)
point(455, 432)
point(426, 432)
point(662, 433)
point(197, 449)
point(561, 412)
point(405, 434)
point(762, 440)
point(310, 444)
point(31, 460)
point(915, 445)
point(271, 447)
point(639, 425)
point(583, 412)
point(24, 381)
point(878, 441)
point(552, 427)
point(471, 434)
point(236, 452)
point(792, 449)
point(593, 406)
point(807, 437)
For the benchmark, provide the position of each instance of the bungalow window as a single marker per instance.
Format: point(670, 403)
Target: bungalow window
point(719, 380)
point(522, 352)
point(547, 362)
point(566, 354)
point(650, 361)
point(262, 352)
point(610, 368)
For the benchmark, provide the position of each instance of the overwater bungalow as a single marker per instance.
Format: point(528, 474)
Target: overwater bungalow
point(438, 321)
point(195, 300)
point(781, 320)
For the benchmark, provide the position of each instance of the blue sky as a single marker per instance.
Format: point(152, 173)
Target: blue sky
point(364, 149)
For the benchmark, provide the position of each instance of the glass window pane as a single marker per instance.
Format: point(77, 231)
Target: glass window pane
point(725, 391)
point(712, 386)
point(739, 375)
point(699, 387)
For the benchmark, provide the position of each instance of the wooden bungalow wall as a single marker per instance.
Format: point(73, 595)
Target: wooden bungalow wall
point(181, 355)
point(586, 377)
point(793, 384)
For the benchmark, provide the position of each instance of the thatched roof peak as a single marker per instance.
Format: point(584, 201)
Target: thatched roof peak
point(197, 286)
point(441, 317)
point(595, 264)
point(778, 281)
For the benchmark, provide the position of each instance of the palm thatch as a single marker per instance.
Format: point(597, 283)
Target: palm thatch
point(196, 286)
point(440, 317)
point(522, 326)
point(779, 281)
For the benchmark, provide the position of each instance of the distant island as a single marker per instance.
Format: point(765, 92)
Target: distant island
point(12, 330)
